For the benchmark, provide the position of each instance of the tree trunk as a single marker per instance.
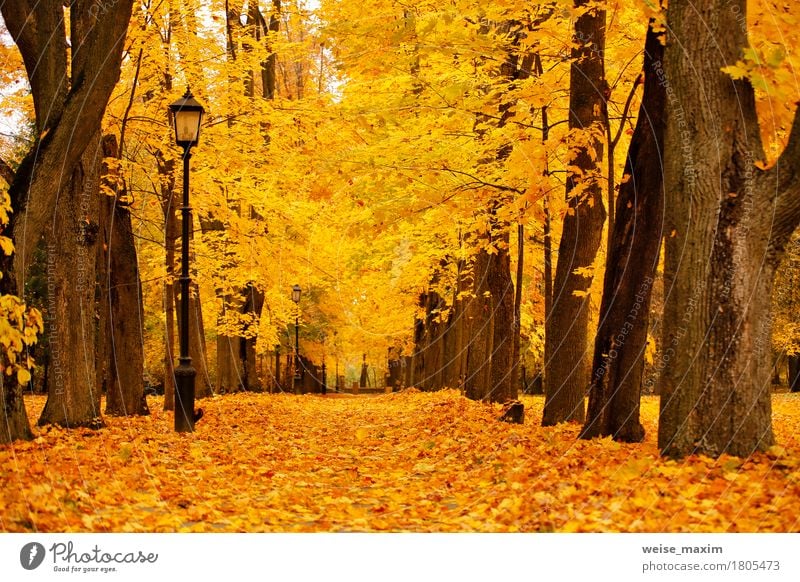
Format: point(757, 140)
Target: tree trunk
point(433, 343)
point(794, 373)
point(229, 370)
point(197, 348)
point(727, 225)
point(454, 336)
point(254, 303)
point(503, 387)
point(268, 66)
point(123, 322)
point(14, 423)
point(166, 173)
point(566, 329)
point(74, 398)
point(364, 379)
point(631, 269)
point(490, 317)
point(229, 376)
point(276, 385)
point(515, 361)
point(417, 372)
point(479, 331)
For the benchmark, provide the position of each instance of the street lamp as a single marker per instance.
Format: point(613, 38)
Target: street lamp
point(296, 299)
point(336, 355)
point(186, 115)
point(324, 370)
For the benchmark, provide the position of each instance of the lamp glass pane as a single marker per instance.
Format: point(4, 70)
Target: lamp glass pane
point(187, 125)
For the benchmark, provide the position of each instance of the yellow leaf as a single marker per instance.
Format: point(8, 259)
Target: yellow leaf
point(23, 376)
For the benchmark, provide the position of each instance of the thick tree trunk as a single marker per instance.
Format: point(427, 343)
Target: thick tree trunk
point(566, 329)
point(268, 67)
point(73, 398)
point(490, 316)
point(489, 325)
point(727, 225)
point(254, 303)
point(14, 423)
point(123, 322)
point(503, 387)
point(454, 337)
point(631, 269)
point(479, 331)
point(229, 375)
point(229, 371)
point(433, 343)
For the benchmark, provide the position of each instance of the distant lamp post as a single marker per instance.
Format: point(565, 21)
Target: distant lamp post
point(324, 370)
point(336, 356)
point(186, 116)
point(296, 299)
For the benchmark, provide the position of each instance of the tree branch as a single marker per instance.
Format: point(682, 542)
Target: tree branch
point(625, 111)
point(783, 179)
point(477, 182)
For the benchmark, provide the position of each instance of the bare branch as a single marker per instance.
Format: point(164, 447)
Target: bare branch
point(783, 179)
point(477, 182)
point(625, 111)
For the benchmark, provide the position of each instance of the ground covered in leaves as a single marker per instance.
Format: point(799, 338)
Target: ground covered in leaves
point(398, 462)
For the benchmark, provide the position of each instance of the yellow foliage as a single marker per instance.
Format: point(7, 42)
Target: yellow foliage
point(19, 325)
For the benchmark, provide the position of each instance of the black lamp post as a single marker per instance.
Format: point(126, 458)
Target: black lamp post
point(187, 115)
point(324, 370)
point(296, 299)
point(336, 356)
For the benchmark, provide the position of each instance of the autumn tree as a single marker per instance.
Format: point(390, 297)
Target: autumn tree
point(72, 73)
point(120, 361)
point(630, 272)
point(728, 221)
point(566, 351)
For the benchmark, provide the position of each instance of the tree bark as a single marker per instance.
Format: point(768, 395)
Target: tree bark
point(454, 352)
point(727, 225)
point(631, 269)
point(503, 387)
point(73, 397)
point(229, 372)
point(566, 329)
point(479, 331)
point(433, 343)
point(123, 322)
point(254, 303)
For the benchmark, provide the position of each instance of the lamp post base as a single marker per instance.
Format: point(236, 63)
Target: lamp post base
point(184, 398)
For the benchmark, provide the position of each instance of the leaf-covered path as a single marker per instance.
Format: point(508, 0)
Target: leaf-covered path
point(397, 462)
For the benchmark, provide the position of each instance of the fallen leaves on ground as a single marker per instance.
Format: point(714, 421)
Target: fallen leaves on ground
point(398, 462)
